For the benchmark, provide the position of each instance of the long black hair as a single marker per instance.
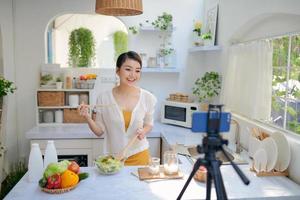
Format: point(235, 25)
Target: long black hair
point(128, 55)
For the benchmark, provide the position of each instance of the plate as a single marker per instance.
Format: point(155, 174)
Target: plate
point(260, 160)
point(270, 146)
point(284, 151)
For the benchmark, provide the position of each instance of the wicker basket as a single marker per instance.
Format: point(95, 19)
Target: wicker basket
point(72, 116)
point(119, 7)
point(58, 191)
point(51, 98)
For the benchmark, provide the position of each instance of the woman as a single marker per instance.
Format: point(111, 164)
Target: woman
point(124, 112)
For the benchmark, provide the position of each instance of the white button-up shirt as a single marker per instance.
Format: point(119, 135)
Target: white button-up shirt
point(110, 119)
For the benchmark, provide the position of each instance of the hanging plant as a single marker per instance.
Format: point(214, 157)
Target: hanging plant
point(120, 43)
point(81, 47)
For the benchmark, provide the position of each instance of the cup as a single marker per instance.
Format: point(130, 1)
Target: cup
point(170, 162)
point(154, 163)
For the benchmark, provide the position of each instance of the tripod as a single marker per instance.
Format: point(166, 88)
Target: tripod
point(212, 143)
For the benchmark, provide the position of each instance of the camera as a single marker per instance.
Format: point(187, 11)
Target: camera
point(200, 121)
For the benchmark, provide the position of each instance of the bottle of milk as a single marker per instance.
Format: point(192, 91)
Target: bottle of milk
point(35, 164)
point(50, 153)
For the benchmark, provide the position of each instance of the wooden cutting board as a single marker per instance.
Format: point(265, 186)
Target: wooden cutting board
point(144, 174)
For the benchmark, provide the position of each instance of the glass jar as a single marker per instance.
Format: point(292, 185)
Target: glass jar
point(170, 162)
point(154, 165)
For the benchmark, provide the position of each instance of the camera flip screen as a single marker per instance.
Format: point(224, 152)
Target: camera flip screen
point(199, 121)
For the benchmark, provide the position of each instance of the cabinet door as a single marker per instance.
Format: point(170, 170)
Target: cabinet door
point(97, 147)
point(154, 144)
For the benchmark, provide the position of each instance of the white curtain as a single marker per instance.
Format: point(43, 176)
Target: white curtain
point(247, 81)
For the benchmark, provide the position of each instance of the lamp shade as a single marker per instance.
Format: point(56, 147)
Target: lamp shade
point(119, 7)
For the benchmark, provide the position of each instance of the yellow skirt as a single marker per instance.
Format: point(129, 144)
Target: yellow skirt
point(141, 158)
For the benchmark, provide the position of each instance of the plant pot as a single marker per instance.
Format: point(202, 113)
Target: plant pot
point(204, 107)
point(208, 43)
point(197, 40)
point(59, 85)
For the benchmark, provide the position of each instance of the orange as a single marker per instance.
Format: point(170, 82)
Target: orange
point(69, 179)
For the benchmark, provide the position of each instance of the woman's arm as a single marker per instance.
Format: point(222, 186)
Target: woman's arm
point(83, 110)
point(142, 132)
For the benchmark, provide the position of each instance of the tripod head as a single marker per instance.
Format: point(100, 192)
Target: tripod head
point(212, 143)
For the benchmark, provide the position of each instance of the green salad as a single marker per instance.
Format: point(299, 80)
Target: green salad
point(108, 164)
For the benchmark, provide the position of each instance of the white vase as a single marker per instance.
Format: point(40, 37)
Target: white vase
point(197, 40)
point(59, 85)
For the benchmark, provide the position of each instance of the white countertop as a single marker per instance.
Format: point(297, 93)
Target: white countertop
point(69, 131)
point(126, 186)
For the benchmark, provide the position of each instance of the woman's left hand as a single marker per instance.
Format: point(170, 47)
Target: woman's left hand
point(140, 133)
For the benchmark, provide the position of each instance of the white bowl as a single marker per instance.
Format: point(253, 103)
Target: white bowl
point(108, 164)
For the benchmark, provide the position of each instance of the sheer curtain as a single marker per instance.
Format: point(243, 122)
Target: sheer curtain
point(247, 81)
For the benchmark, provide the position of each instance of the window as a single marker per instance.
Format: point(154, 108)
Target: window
point(286, 83)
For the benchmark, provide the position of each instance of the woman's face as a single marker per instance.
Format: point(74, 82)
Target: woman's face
point(129, 72)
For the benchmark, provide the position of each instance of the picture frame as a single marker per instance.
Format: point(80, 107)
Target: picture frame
point(211, 20)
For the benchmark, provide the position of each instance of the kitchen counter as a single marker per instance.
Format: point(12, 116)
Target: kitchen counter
point(126, 186)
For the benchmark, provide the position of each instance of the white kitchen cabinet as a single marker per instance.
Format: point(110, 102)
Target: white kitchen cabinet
point(48, 109)
point(154, 146)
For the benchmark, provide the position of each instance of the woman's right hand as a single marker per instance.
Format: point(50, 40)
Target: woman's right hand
point(84, 110)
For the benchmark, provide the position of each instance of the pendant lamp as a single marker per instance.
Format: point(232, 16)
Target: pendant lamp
point(119, 7)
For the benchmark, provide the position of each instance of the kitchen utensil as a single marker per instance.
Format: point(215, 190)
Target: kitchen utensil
point(260, 160)
point(121, 156)
point(269, 145)
point(284, 151)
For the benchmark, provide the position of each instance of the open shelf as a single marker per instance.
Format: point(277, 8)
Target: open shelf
point(151, 28)
point(160, 70)
point(205, 48)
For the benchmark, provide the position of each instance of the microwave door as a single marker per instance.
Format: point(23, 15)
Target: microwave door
point(175, 113)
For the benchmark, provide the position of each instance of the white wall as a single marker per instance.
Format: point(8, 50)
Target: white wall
point(9, 128)
point(30, 47)
point(245, 20)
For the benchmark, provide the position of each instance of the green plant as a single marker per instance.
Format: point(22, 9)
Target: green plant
point(17, 172)
point(207, 36)
point(58, 79)
point(120, 43)
point(134, 29)
point(81, 47)
point(46, 78)
point(163, 22)
point(6, 87)
point(166, 51)
point(208, 86)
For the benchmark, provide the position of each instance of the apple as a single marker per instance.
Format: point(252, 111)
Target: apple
point(74, 167)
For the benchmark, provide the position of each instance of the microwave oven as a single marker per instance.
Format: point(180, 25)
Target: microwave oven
point(178, 113)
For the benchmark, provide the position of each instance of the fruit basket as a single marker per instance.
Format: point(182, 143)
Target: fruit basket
point(58, 191)
point(61, 177)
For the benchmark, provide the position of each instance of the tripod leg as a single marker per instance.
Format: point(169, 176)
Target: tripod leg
point(208, 185)
point(196, 167)
point(217, 176)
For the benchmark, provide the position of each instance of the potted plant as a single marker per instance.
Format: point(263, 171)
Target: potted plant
point(59, 83)
point(120, 43)
point(208, 87)
point(207, 38)
point(197, 33)
point(81, 48)
point(6, 87)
